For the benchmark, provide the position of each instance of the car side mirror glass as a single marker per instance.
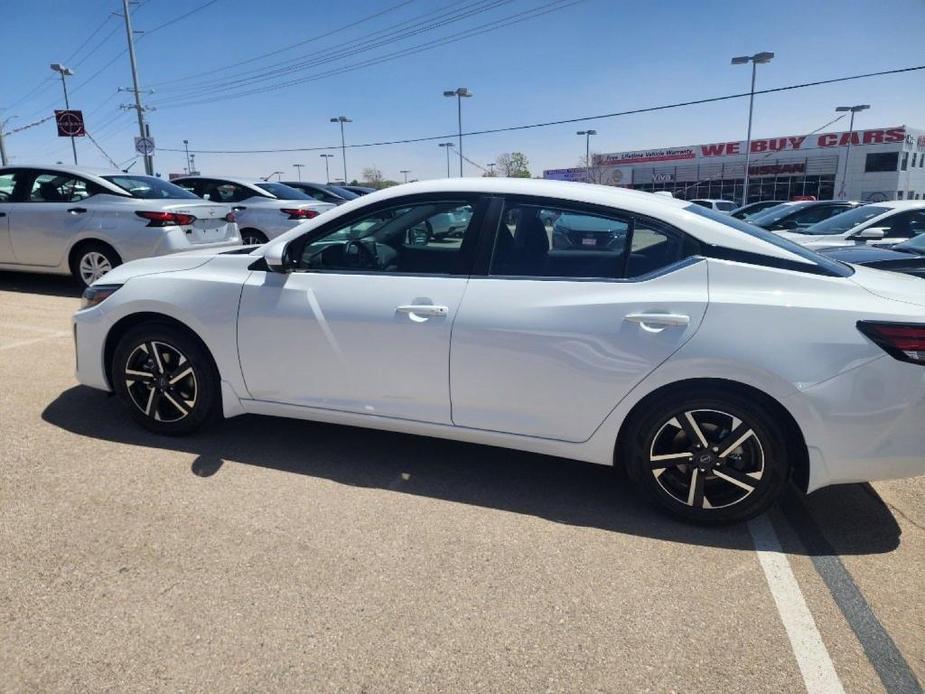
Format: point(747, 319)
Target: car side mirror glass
point(872, 233)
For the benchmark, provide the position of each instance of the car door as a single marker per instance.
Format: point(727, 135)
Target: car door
point(362, 323)
point(52, 212)
point(7, 190)
point(551, 337)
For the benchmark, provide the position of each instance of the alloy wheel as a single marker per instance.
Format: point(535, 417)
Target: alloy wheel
point(707, 459)
point(92, 266)
point(161, 381)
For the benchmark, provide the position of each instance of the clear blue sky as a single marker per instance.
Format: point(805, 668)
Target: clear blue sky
point(596, 56)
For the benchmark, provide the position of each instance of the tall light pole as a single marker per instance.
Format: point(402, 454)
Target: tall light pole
point(139, 109)
point(327, 173)
point(343, 145)
point(192, 164)
point(853, 110)
point(66, 72)
point(755, 60)
point(587, 134)
point(298, 168)
point(459, 94)
point(491, 168)
point(189, 166)
point(446, 146)
point(405, 172)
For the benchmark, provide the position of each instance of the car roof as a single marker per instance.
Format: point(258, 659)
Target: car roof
point(93, 174)
point(670, 210)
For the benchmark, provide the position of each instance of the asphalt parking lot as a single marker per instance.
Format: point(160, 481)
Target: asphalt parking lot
point(267, 554)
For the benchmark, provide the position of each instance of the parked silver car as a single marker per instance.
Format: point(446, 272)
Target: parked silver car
point(264, 209)
point(65, 220)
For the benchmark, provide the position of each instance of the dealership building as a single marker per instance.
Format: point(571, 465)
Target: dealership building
point(870, 165)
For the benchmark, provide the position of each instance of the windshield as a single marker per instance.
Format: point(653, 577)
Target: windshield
point(343, 192)
point(283, 192)
point(843, 222)
point(776, 213)
point(832, 267)
point(915, 245)
point(150, 188)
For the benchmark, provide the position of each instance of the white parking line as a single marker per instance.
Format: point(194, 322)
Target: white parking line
point(812, 657)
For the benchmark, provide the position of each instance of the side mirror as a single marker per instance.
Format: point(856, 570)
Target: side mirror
point(276, 256)
point(789, 224)
point(871, 233)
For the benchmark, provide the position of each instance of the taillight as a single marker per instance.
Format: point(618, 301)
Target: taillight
point(300, 214)
point(167, 219)
point(230, 218)
point(905, 341)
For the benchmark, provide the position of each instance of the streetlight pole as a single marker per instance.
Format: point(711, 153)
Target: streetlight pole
point(853, 110)
point(459, 94)
point(755, 60)
point(327, 173)
point(491, 168)
point(587, 134)
point(405, 173)
point(446, 146)
point(189, 166)
point(66, 72)
point(343, 145)
point(298, 168)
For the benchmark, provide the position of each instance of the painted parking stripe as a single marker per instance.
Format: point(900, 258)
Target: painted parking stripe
point(812, 657)
point(885, 657)
point(34, 340)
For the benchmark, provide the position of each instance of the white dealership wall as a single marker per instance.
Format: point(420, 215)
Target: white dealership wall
point(796, 156)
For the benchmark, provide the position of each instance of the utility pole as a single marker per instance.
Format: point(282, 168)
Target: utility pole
point(142, 132)
point(3, 159)
point(853, 109)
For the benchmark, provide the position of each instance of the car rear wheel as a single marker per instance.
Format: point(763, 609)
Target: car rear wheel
point(91, 261)
point(253, 237)
point(709, 458)
point(166, 378)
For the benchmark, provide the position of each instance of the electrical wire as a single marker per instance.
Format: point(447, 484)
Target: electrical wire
point(566, 121)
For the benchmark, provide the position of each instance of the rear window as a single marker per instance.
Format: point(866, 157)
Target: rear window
point(725, 206)
point(150, 188)
point(845, 221)
point(775, 214)
point(284, 192)
point(829, 266)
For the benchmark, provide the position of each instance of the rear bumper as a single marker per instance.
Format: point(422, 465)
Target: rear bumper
point(864, 425)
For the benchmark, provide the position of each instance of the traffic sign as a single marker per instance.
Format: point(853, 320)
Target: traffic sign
point(70, 123)
point(144, 145)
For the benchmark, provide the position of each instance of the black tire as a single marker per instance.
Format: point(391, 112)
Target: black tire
point(92, 260)
point(719, 482)
point(253, 237)
point(180, 398)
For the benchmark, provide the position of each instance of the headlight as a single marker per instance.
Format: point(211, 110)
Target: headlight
point(97, 294)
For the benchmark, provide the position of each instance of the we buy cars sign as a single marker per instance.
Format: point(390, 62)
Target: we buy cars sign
point(802, 142)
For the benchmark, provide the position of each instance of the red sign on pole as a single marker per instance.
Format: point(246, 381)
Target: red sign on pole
point(70, 123)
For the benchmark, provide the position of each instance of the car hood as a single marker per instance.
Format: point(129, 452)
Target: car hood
point(175, 262)
point(891, 285)
point(862, 253)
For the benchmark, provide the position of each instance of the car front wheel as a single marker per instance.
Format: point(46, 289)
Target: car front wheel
point(166, 378)
point(709, 459)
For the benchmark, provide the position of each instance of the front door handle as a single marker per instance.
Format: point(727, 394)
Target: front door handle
point(659, 320)
point(238, 208)
point(424, 310)
point(77, 210)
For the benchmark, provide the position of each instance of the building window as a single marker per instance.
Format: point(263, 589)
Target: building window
point(899, 195)
point(905, 164)
point(881, 161)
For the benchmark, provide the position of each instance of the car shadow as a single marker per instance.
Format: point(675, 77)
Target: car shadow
point(35, 283)
point(555, 489)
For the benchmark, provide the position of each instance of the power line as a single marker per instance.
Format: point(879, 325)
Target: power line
point(385, 36)
point(284, 49)
point(566, 121)
point(494, 25)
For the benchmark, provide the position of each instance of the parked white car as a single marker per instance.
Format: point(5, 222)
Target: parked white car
point(718, 205)
point(264, 209)
point(712, 359)
point(876, 224)
point(64, 220)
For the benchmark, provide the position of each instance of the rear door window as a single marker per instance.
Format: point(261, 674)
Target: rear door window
point(60, 187)
point(7, 185)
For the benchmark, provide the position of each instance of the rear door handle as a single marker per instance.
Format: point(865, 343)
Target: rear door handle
point(659, 320)
point(238, 208)
point(424, 310)
point(77, 210)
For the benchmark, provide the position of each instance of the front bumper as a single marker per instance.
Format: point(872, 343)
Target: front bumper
point(864, 425)
point(89, 341)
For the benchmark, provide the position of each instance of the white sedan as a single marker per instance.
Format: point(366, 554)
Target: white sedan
point(713, 360)
point(876, 224)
